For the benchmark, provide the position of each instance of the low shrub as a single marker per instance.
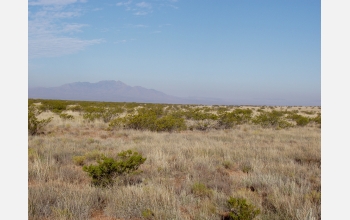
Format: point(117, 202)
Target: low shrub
point(144, 120)
point(107, 168)
point(299, 119)
point(201, 190)
point(170, 123)
point(66, 116)
point(116, 123)
point(147, 214)
point(237, 117)
point(240, 209)
point(35, 125)
point(271, 119)
point(56, 106)
point(154, 120)
point(79, 160)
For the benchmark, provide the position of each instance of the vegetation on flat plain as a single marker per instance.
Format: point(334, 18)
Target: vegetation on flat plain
point(101, 160)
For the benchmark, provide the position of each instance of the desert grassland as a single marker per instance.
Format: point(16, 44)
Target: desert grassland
point(188, 174)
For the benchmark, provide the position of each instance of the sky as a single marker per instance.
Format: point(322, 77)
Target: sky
point(248, 52)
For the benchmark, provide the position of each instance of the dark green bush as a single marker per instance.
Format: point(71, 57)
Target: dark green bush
point(271, 119)
point(34, 124)
point(56, 106)
point(170, 123)
point(302, 121)
point(240, 209)
point(299, 119)
point(152, 119)
point(144, 120)
point(108, 168)
point(237, 117)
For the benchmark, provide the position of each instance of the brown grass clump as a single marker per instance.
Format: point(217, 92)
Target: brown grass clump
point(187, 174)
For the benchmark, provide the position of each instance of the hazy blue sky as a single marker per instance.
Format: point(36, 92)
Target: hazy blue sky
point(251, 51)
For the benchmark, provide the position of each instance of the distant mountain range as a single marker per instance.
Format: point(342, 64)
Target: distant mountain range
point(112, 91)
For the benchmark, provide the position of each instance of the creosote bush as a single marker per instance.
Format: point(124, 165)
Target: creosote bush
point(153, 119)
point(240, 209)
point(34, 124)
point(237, 117)
point(107, 169)
point(272, 119)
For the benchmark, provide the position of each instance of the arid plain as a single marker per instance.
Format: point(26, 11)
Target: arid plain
point(197, 159)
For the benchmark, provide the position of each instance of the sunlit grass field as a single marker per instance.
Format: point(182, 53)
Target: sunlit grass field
point(197, 158)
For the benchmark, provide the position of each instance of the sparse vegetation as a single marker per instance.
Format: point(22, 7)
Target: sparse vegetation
point(247, 171)
point(35, 125)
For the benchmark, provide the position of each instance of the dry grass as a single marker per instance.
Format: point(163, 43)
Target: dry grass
point(187, 175)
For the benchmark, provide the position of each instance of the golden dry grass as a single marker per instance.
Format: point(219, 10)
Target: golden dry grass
point(278, 171)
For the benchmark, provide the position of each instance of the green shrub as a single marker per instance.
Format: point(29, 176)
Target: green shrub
point(221, 110)
point(56, 106)
point(241, 210)
point(147, 214)
point(170, 123)
point(108, 168)
point(153, 119)
point(34, 124)
point(79, 160)
point(237, 117)
point(91, 114)
point(116, 123)
point(201, 190)
point(66, 116)
point(299, 119)
point(302, 121)
point(271, 119)
point(144, 120)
